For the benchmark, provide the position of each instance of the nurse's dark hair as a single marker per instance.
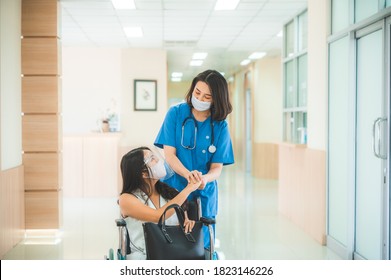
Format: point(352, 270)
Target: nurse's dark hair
point(132, 170)
point(221, 106)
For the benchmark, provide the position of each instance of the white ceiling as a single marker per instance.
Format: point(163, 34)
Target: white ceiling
point(182, 27)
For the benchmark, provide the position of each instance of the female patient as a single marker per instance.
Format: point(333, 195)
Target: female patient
point(144, 198)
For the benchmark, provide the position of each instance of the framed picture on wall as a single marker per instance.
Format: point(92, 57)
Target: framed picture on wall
point(145, 95)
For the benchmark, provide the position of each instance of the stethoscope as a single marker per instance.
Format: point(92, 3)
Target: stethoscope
point(212, 148)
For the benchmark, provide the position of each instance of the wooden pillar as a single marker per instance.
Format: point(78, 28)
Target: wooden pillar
point(41, 107)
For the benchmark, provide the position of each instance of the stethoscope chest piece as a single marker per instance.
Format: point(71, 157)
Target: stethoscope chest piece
point(212, 149)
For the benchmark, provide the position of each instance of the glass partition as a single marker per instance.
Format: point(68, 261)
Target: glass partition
point(338, 142)
point(289, 39)
point(302, 32)
point(295, 79)
point(290, 92)
point(339, 15)
point(365, 8)
point(302, 81)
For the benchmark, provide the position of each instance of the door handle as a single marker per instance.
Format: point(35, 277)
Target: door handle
point(377, 148)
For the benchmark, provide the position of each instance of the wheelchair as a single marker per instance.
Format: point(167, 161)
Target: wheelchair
point(194, 213)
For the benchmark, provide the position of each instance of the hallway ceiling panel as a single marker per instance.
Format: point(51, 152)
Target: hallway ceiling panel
point(182, 27)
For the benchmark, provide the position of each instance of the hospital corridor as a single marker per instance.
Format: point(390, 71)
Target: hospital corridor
point(248, 226)
point(289, 98)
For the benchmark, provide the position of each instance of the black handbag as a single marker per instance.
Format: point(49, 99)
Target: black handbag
point(165, 242)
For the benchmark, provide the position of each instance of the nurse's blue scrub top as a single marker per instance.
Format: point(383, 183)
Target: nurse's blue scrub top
point(199, 158)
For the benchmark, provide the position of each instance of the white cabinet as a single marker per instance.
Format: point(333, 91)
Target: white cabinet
point(91, 165)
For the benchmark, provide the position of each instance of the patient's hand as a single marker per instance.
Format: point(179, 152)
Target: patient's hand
point(194, 185)
point(188, 225)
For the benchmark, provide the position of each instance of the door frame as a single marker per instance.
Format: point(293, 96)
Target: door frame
point(387, 187)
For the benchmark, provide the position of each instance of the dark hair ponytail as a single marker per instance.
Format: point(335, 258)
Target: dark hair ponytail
point(169, 193)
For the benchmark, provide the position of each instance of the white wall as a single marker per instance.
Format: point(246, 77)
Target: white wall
point(141, 127)
point(91, 78)
point(10, 84)
point(317, 74)
point(268, 100)
point(94, 77)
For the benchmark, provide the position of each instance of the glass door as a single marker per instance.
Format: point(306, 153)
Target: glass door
point(371, 144)
point(387, 187)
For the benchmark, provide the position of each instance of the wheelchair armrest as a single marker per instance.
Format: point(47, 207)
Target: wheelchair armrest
point(120, 222)
point(207, 221)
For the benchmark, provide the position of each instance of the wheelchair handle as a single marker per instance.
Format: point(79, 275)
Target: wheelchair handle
point(120, 222)
point(207, 221)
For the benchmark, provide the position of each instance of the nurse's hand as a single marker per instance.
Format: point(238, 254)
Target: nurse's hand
point(194, 176)
point(204, 181)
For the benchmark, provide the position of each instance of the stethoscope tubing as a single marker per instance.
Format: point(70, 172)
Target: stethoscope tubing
point(211, 148)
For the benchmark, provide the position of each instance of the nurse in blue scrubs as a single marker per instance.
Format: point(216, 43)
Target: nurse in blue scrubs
point(196, 140)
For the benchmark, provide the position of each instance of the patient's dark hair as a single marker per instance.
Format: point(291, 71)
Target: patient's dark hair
point(132, 169)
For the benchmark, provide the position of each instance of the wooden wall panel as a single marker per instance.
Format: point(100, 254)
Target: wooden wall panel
point(41, 56)
point(41, 94)
point(42, 171)
point(12, 218)
point(43, 209)
point(41, 133)
point(40, 18)
point(265, 161)
point(302, 188)
point(41, 107)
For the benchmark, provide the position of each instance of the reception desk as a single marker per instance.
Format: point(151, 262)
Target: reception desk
point(91, 164)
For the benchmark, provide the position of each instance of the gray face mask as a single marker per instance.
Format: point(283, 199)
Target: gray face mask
point(200, 105)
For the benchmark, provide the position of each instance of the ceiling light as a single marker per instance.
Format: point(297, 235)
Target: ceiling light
point(173, 79)
point(279, 34)
point(257, 55)
point(124, 4)
point(176, 74)
point(133, 32)
point(245, 62)
point(196, 62)
point(200, 55)
point(226, 5)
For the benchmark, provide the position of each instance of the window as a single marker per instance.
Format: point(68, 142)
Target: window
point(295, 79)
point(339, 15)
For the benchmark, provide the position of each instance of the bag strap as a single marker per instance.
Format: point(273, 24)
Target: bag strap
point(181, 217)
point(179, 211)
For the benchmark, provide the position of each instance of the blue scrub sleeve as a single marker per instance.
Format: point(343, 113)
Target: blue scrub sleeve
point(224, 153)
point(166, 135)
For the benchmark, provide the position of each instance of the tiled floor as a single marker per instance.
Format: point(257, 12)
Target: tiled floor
point(248, 227)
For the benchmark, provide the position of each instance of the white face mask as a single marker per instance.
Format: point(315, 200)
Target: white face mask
point(158, 171)
point(200, 105)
